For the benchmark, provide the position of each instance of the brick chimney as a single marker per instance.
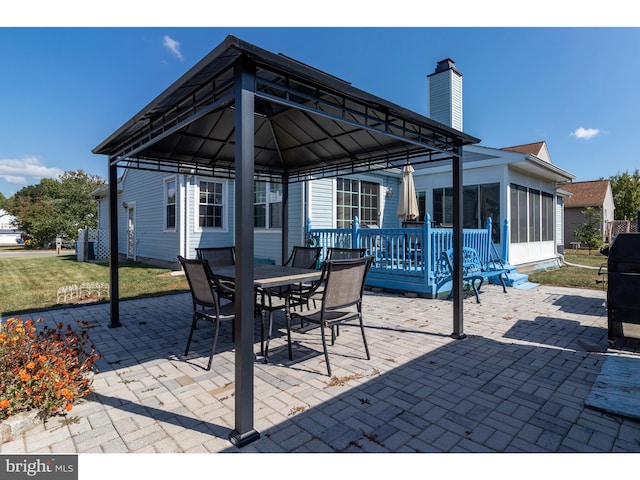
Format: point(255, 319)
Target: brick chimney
point(445, 94)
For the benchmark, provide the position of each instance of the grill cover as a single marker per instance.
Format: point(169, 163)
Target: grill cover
point(623, 287)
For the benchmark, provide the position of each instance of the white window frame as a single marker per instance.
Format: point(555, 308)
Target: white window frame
point(166, 204)
point(358, 194)
point(267, 203)
point(224, 205)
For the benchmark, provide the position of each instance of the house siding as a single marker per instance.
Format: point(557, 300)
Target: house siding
point(322, 203)
point(445, 98)
point(145, 191)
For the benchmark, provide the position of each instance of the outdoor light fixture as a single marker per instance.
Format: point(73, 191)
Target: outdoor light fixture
point(389, 191)
point(125, 205)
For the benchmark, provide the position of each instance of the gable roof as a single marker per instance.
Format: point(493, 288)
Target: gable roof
point(587, 194)
point(539, 149)
point(520, 158)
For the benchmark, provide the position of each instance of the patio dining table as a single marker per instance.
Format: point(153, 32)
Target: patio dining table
point(266, 277)
point(270, 276)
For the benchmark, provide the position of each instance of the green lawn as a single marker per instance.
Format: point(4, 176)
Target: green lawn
point(31, 283)
point(569, 276)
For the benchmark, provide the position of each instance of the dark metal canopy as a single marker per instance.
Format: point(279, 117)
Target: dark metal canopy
point(245, 113)
point(307, 122)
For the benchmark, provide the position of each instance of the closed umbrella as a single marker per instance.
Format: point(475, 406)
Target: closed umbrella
point(408, 201)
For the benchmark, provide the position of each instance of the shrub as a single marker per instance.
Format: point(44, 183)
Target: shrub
point(46, 370)
point(30, 243)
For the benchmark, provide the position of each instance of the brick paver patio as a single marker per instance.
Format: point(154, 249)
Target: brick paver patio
point(517, 383)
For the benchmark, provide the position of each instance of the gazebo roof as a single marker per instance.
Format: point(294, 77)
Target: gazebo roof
point(307, 122)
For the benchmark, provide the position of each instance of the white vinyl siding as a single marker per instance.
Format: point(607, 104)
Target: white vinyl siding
point(147, 191)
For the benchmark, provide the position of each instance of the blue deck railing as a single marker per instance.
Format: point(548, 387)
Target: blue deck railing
point(402, 258)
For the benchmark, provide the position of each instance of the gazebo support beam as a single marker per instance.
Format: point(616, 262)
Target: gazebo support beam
point(114, 292)
point(458, 292)
point(244, 89)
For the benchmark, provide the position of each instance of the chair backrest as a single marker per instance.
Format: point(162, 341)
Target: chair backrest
point(198, 276)
point(304, 257)
point(334, 253)
point(344, 282)
point(218, 256)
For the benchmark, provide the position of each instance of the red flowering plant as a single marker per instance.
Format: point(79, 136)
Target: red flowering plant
point(46, 370)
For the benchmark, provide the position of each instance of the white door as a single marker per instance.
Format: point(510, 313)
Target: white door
point(131, 233)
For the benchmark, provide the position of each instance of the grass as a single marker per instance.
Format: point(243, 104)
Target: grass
point(568, 276)
point(31, 283)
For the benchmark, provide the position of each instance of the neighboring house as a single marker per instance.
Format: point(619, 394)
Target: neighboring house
point(515, 184)
point(9, 235)
point(596, 194)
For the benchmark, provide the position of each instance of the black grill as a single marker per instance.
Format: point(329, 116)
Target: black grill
point(623, 287)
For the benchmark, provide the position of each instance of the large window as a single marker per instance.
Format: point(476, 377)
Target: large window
point(479, 202)
point(267, 205)
point(443, 206)
point(532, 215)
point(170, 204)
point(210, 205)
point(357, 198)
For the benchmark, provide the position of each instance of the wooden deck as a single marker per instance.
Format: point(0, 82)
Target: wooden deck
point(406, 259)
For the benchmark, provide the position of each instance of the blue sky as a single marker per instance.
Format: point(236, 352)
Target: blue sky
point(65, 90)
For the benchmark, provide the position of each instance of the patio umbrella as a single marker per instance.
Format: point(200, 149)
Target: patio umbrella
point(408, 202)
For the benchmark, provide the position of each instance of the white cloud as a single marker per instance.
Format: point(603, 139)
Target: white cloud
point(585, 133)
point(173, 46)
point(18, 171)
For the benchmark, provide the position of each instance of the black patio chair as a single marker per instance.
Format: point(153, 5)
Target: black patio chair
point(341, 299)
point(336, 253)
point(220, 257)
point(303, 257)
point(205, 300)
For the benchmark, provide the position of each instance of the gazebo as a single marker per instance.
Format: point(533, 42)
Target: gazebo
point(245, 113)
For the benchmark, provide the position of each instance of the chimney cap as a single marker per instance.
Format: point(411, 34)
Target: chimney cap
point(444, 65)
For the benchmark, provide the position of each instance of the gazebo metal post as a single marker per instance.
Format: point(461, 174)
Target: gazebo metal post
point(285, 218)
point(114, 292)
point(244, 91)
point(458, 329)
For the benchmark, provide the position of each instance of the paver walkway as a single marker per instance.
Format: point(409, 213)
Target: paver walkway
point(517, 383)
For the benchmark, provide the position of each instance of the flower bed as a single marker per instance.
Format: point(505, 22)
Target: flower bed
point(44, 370)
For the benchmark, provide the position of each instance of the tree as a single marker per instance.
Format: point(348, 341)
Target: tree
point(56, 208)
point(589, 233)
point(625, 188)
point(3, 201)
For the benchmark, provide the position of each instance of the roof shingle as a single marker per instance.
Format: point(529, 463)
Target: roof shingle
point(586, 194)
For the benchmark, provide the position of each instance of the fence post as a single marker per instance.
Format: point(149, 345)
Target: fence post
point(505, 242)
